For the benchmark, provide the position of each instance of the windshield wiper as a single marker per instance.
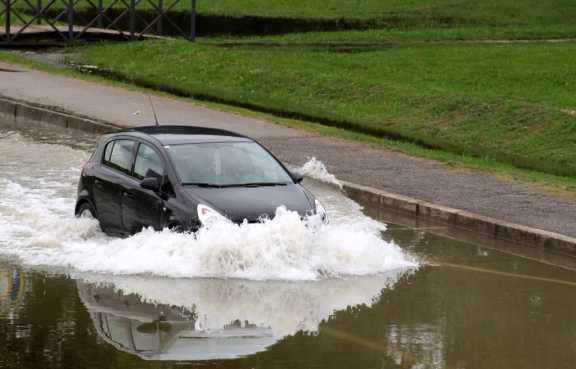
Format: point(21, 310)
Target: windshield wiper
point(207, 185)
point(261, 184)
point(249, 184)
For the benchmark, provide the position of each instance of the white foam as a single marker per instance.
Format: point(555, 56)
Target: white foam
point(280, 249)
point(37, 225)
point(314, 168)
point(285, 307)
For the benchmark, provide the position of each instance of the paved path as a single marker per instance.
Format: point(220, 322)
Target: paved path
point(428, 180)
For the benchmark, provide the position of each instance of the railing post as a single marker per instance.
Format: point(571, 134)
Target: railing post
point(70, 20)
point(100, 13)
point(39, 11)
point(193, 21)
point(132, 19)
point(160, 25)
point(7, 25)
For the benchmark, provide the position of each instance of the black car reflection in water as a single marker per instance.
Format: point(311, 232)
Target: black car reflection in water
point(210, 319)
point(185, 177)
point(163, 332)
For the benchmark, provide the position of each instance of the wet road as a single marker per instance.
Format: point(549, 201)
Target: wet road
point(344, 297)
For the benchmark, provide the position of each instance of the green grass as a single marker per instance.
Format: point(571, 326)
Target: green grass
point(494, 12)
point(423, 19)
point(488, 11)
point(413, 20)
point(558, 185)
point(395, 35)
point(419, 12)
point(501, 102)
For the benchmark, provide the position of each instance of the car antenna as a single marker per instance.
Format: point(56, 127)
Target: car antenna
point(154, 111)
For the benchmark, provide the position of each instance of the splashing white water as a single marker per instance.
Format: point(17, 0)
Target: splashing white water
point(282, 248)
point(37, 225)
point(285, 307)
point(314, 168)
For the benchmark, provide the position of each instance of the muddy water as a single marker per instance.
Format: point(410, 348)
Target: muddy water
point(352, 295)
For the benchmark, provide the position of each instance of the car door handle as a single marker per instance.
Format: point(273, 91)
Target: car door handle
point(98, 183)
point(128, 195)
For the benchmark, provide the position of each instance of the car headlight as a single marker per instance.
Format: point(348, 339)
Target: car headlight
point(321, 211)
point(207, 215)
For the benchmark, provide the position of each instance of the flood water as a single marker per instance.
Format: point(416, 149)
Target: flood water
point(354, 294)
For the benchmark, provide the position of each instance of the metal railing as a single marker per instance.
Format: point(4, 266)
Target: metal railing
point(71, 20)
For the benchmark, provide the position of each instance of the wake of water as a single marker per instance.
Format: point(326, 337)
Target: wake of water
point(37, 195)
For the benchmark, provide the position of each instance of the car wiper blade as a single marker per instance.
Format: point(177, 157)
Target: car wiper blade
point(208, 185)
point(262, 184)
point(250, 184)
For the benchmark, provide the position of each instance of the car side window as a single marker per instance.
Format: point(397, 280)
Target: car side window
point(148, 163)
point(119, 155)
point(108, 151)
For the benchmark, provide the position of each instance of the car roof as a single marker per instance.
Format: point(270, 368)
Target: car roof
point(175, 134)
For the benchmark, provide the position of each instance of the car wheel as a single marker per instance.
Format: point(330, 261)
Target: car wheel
point(86, 210)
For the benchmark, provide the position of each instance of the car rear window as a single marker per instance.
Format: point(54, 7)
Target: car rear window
point(119, 155)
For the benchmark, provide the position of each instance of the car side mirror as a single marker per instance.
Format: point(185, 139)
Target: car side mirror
point(297, 177)
point(150, 183)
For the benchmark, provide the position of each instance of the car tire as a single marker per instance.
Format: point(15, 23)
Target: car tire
point(86, 210)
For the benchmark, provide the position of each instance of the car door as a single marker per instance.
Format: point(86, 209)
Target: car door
point(110, 181)
point(141, 207)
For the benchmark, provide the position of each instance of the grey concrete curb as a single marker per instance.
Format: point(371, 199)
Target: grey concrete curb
point(20, 110)
point(367, 196)
point(461, 219)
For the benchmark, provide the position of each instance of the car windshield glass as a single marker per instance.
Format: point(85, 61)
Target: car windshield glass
point(226, 164)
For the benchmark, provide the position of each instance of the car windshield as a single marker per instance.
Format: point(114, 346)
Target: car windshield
point(226, 164)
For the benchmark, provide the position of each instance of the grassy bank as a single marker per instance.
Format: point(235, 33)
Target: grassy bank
point(496, 12)
point(557, 185)
point(488, 19)
point(501, 102)
point(395, 35)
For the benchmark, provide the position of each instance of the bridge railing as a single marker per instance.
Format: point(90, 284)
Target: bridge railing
point(71, 20)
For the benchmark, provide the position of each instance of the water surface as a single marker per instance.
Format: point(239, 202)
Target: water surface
point(349, 296)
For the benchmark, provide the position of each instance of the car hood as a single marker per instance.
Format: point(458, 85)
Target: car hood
point(251, 203)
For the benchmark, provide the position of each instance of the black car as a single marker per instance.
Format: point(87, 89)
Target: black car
point(182, 178)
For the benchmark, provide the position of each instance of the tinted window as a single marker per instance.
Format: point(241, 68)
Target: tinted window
point(148, 163)
point(121, 155)
point(226, 163)
point(108, 151)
